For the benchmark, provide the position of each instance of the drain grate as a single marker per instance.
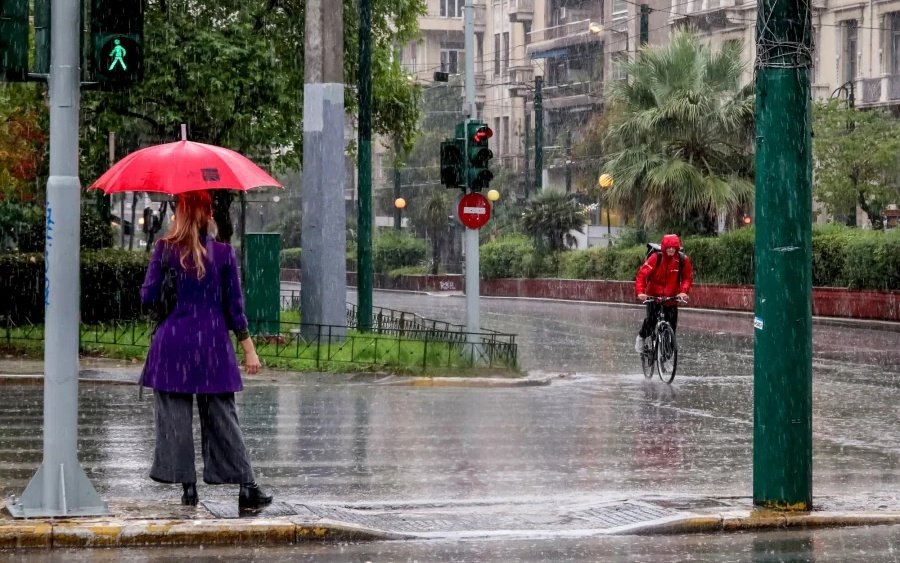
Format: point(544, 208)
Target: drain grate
point(229, 509)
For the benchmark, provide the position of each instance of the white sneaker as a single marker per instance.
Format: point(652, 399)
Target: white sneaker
point(639, 344)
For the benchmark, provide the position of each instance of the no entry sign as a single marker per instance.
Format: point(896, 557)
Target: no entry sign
point(474, 210)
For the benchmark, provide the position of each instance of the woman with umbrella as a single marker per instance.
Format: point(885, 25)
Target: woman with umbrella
point(192, 354)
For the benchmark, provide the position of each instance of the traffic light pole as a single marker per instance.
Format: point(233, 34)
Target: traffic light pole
point(60, 486)
point(473, 284)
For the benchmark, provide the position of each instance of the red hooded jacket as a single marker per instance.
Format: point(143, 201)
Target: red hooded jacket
point(658, 277)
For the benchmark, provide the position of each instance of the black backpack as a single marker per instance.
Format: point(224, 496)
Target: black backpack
point(654, 248)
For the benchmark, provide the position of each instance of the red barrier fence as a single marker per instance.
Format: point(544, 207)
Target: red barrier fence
point(827, 301)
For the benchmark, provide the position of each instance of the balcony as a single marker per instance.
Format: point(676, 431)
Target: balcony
point(521, 80)
point(878, 91)
point(576, 94)
point(709, 14)
point(544, 42)
point(521, 10)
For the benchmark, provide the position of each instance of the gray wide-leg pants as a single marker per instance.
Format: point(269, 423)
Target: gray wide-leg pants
point(224, 454)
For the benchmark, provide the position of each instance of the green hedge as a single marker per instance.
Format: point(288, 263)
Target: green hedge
point(507, 257)
point(842, 257)
point(290, 258)
point(110, 286)
point(394, 249)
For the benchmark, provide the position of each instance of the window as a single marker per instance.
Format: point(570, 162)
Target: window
point(452, 8)
point(496, 53)
point(895, 43)
point(505, 51)
point(452, 58)
point(619, 9)
point(505, 137)
point(849, 48)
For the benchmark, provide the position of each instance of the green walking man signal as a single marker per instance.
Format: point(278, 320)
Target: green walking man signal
point(465, 159)
point(117, 32)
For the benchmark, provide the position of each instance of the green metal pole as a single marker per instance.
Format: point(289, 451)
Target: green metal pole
point(364, 169)
point(538, 133)
point(645, 25)
point(782, 386)
point(398, 218)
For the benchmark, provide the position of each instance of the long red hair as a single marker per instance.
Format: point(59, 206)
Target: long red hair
point(193, 217)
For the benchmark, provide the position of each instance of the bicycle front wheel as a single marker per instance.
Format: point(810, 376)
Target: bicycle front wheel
point(648, 363)
point(666, 352)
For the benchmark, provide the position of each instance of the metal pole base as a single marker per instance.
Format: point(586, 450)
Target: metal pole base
point(61, 492)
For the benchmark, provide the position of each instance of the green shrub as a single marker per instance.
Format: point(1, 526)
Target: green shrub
point(110, 286)
point(593, 263)
point(95, 232)
point(627, 261)
point(290, 258)
point(873, 261)
point(421, 270)
point(394, 249)
point(509, 257)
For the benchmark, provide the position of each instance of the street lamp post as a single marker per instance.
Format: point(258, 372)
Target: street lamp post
point(605, 181)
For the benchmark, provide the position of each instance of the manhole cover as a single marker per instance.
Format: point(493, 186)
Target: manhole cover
point(229, 509)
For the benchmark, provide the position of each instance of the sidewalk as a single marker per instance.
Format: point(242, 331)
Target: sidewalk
point(167, 523)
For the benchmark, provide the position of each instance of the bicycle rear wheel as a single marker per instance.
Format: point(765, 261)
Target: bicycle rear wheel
point(648, 361)
point(666, 352)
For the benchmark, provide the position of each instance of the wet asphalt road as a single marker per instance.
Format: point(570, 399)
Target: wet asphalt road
point(600, 432)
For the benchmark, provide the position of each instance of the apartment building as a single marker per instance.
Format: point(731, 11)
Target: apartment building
point(856, 46)
point(572, 44)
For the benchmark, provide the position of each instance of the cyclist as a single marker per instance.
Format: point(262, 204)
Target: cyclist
point(665, 273)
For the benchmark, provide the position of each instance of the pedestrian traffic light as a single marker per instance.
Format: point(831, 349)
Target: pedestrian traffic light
point(479, 156)
point(14, 26)
point(117, 32)
point(452, 174)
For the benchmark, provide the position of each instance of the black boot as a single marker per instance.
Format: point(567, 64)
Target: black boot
point(189, 498)
point(252, 497)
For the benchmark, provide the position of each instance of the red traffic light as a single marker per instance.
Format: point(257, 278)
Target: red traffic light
point(747, 219)
point(482, 134)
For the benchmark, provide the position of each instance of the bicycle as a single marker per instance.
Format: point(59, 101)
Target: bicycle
point(662, 355)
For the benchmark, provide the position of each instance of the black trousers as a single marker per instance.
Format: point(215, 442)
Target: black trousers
point(669, 313)
point(224, 454)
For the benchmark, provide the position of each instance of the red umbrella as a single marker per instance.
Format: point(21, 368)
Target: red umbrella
point(183, 166)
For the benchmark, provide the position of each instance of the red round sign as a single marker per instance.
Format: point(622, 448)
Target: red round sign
point(474, 210)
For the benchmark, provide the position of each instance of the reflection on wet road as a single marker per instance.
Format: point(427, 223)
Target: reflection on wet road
point(601, 431)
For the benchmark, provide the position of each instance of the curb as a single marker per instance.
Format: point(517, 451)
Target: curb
point(285, 531)
point(767, 520)
point(145, 533)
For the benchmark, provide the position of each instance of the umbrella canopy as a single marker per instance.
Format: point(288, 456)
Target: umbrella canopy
point(183, 166)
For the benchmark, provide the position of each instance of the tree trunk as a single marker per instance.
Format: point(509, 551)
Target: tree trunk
point(874, 215)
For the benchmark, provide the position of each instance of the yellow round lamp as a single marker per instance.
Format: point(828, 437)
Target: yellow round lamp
point(399, 203)
point(605, 181)
point(493, 195)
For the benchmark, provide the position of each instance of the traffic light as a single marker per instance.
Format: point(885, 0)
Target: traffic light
point(452, 174)
point(479, 156)
point(14, 26)
point(117, 33)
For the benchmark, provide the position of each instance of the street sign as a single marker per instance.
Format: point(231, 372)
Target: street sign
point(474, 210)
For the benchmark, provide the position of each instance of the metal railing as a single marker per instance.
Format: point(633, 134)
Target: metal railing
point(306, 346)
point(894, 87)
point(871, 90)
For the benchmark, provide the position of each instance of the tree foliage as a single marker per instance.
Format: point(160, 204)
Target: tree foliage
point(233, 72)
point(548, 218)
point(680, 146)
point(856, 160)
point(23, 142)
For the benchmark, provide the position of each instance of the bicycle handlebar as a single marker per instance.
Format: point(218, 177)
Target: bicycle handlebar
point(664, 300)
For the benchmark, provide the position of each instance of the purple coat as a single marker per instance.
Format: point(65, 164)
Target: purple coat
point(191, 351)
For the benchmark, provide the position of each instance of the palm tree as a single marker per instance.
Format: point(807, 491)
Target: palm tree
point(435, 214)
point(681, 141)
point(548, 218)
